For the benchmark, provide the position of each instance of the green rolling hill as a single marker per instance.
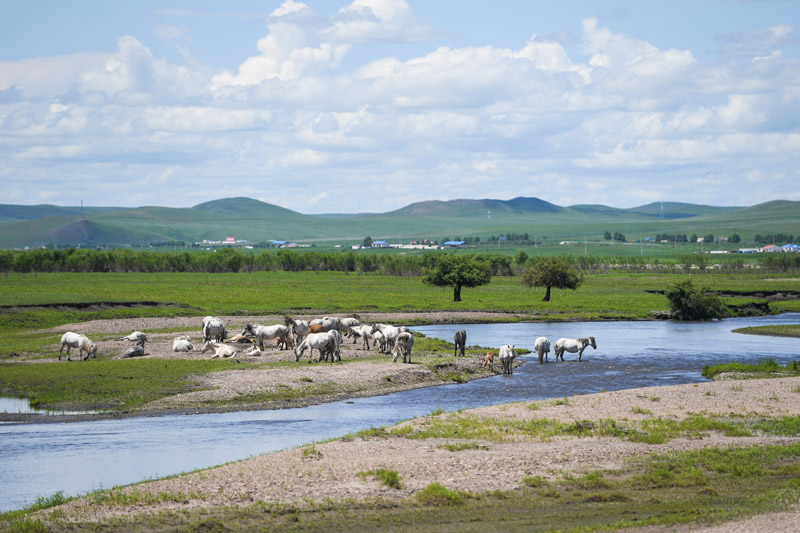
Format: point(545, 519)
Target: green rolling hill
point(255, 221)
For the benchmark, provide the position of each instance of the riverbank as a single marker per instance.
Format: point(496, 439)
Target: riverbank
point(485, 451)
point(273, 380)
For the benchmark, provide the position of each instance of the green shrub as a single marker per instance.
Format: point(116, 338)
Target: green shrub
point(438, 494)
point(689, 303)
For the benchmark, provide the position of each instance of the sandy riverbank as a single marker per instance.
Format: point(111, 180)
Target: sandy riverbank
point(298, 476)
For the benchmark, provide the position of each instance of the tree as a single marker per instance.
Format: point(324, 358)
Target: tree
point(457, 271)
point(686, 302)
point(549, 272)
point(367, 243)
point(607, 235)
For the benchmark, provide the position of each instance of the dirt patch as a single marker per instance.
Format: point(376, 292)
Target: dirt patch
point(304, 475)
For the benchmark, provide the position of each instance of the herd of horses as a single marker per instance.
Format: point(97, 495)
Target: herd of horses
point(326, 336)
point(541, 346)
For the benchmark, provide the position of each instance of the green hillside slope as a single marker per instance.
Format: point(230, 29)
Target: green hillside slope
point(255, 221)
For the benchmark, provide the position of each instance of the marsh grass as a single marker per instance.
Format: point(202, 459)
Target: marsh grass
point(784, 330)
point(390, 478)
point(765, 368)
point(653, 430)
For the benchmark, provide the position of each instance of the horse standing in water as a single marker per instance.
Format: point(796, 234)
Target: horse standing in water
point(572, 346)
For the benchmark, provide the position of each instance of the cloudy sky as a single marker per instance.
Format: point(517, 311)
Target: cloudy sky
point(347, 106)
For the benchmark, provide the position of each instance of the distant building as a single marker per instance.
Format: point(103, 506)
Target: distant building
point(380, 244)
point(452, 243)
point(792, 248)
point(771, 248)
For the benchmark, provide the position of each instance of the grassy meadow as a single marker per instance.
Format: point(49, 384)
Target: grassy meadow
point(31, 303)
point(706, 486)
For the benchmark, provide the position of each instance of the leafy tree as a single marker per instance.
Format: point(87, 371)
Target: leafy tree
point(367, 243)
point(549, 272)
point(690, 303)
point(457, 271)
point(734, 239)
point(607, 235)
point(708, 238)
point(619, 237)
point(521, 258)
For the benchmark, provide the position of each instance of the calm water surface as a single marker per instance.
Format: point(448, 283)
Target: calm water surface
point(76, 458)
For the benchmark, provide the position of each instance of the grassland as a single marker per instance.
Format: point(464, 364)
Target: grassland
point(32, 303)
point(697, 486)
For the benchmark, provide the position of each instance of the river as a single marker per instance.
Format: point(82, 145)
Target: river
point(40, 459)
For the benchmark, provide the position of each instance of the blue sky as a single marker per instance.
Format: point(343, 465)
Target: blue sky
point(369, 105)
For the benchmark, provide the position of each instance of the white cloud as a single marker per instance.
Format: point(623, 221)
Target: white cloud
point(375, 20)
point(549, 119)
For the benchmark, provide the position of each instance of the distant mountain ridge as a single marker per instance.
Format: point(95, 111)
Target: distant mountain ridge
point(256, 221)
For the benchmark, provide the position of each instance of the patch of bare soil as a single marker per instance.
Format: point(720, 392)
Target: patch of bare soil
point(314, 473)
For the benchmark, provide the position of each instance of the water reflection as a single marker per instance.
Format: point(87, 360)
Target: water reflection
point(23, 406)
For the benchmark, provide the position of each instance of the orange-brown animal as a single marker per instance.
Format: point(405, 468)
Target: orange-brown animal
point(488, 360)
point(316, 328)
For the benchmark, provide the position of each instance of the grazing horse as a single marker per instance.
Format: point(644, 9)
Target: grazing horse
point(460, 341)
point(542, 348)
point(402, 346)
point(572, 346)
point(76, 340)
point(318, 341)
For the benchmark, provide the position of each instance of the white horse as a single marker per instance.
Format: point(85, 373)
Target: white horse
point(297, 328)
point(79, 341)
point(507, 357)
point(214, 328)
point(334, 344)
point(182, 345)
point(362, 332)
point(402, 345)
point(136, 336)
point(346, 325)
point(542, 348)
point(313, 341)
point(219, 349)
point(572, 346)
point(262, 333)
point(390, 333)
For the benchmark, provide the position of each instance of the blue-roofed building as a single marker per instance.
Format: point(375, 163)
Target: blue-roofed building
point(452, 243)
point(794, 248)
